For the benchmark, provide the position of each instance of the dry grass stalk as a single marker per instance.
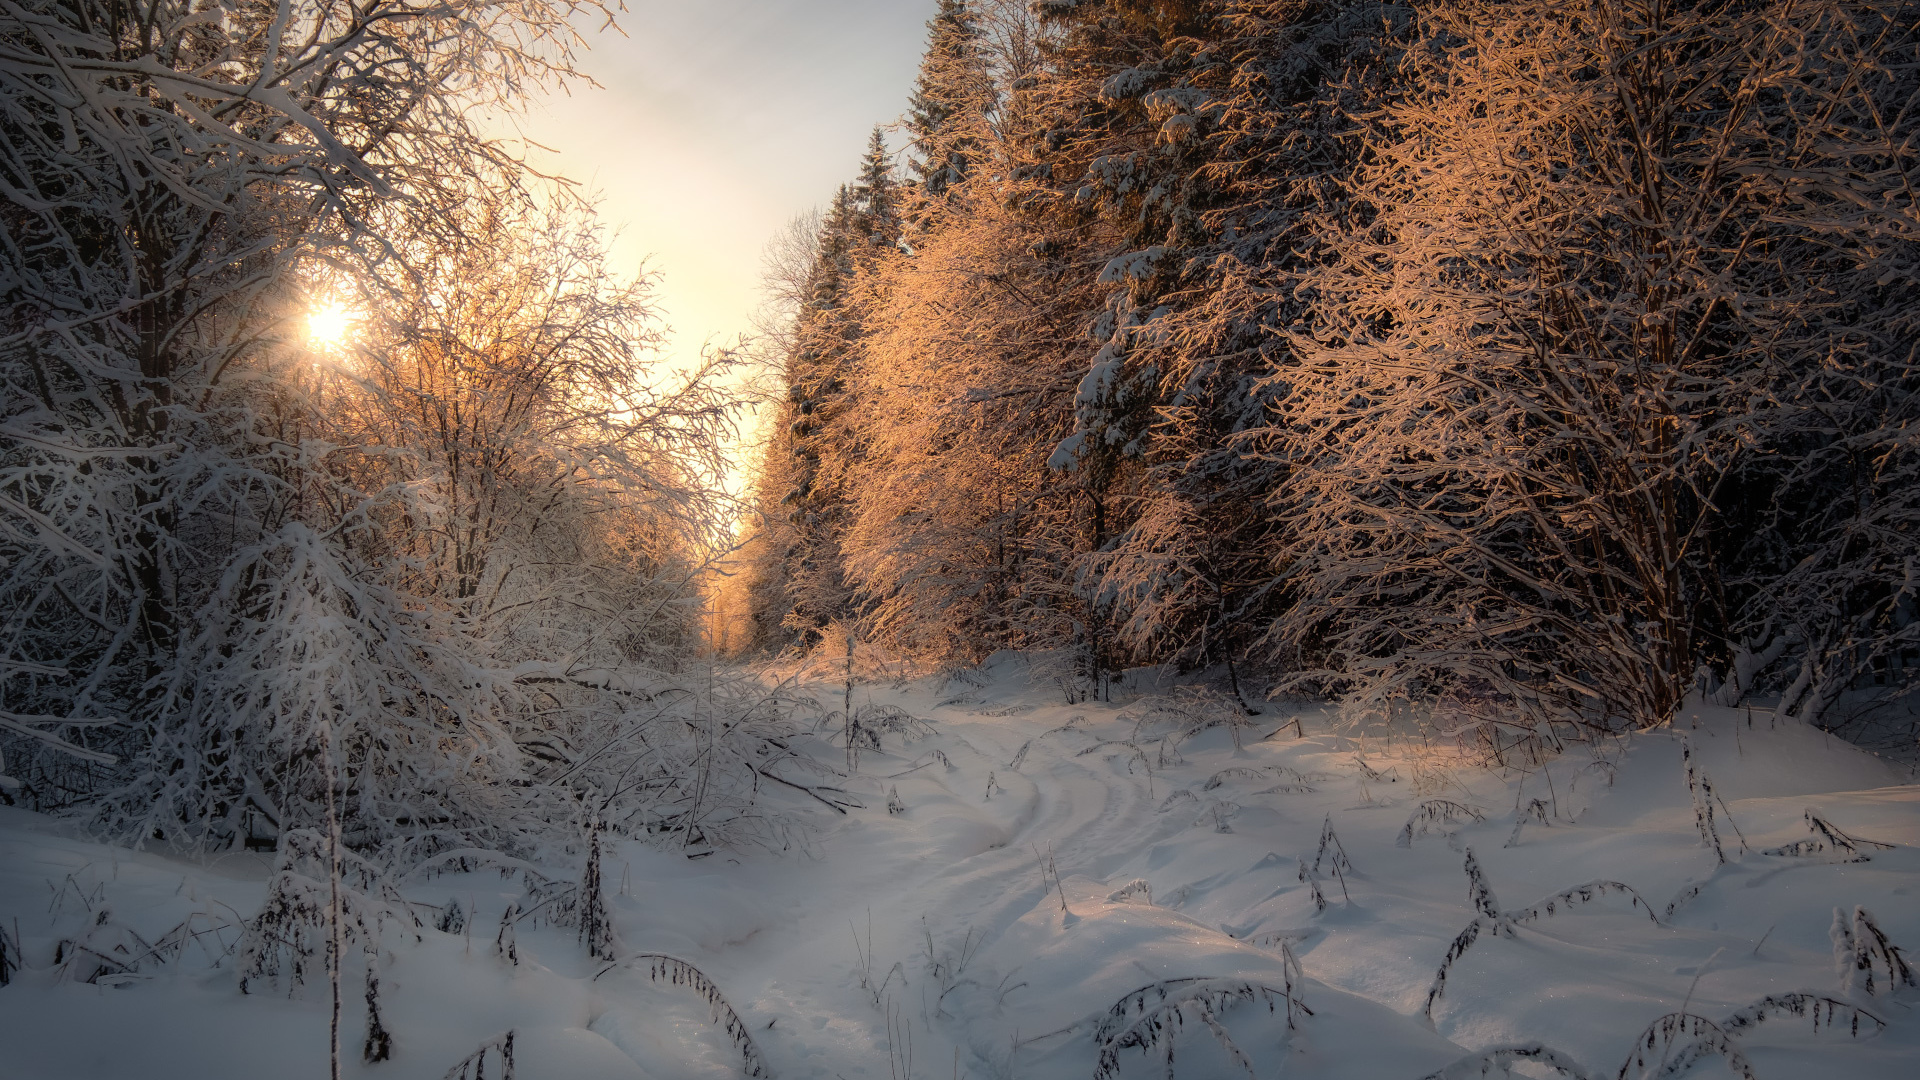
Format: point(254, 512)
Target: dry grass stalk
point(1434, 816)
point(677, 972)
point(1148, 1018)
point(474, 1065)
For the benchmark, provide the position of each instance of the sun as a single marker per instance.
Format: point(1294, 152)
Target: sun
point(330, 325)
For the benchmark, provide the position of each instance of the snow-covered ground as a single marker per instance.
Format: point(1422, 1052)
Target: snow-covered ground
point(993, 928)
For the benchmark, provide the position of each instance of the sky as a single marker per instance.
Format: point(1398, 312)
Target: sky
point(715, 123)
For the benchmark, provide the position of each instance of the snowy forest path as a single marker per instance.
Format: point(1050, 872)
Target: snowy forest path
point(1033, 873)
point(1048, 858)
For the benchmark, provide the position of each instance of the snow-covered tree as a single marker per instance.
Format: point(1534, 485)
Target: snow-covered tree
point(1619, 281)
point(952, 94)
point(437, 581)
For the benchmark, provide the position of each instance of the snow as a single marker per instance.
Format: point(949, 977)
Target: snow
point(936, 942)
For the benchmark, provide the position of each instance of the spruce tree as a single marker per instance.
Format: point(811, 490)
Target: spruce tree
point(876, 196)
point(952, 86)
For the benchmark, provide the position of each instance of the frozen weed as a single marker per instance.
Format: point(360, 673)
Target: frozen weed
point(1495, 921)
point(1863, 953)
point(1147, 1019)
point(1178, 798)
point(677, 972)
point(1700, 788)
point(378, 1045)
point(1434, 816)
point(1020, 756)
point(1827, 837)
point(1498, 1062)
point(1534, 812)
point(9, 956)
point(1683, 1038)
point(1312, 881)
point(1331, 851)
point(474, 1065)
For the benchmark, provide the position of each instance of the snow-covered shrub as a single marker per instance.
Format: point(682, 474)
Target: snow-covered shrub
point(319, 896)
point(1173, 718)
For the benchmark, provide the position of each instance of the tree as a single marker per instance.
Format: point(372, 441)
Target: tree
point(951, 94)
point(1609, 268)
point(432, 588)
point(168, 171)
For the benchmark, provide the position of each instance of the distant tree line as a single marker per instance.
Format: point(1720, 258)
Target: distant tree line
point(1523, 365)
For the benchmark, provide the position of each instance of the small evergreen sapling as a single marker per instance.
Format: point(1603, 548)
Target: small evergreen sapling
point(316, 885)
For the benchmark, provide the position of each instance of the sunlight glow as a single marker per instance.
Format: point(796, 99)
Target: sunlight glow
point(329, 326)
